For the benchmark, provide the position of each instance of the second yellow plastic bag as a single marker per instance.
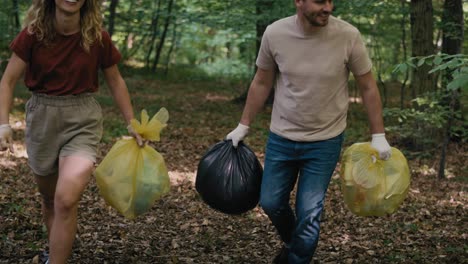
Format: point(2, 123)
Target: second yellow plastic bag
point(132, 178)
point(373, 187)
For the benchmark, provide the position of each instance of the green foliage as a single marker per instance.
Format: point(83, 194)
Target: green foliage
point(211, 35)
point(465, 42)
point(424, 123)
point(420, 127)
point(456, 66)
point(380, 24)
point(357, 125)
point(236, 69)
point(8, 23)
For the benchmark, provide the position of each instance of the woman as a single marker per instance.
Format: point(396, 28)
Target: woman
point(61, 50)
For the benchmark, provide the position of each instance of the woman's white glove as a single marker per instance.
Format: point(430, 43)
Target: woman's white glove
point(6, 137)
point(137, 136)
point(381, 145)
point(238, 134)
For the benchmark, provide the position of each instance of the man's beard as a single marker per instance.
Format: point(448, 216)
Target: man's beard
point(313, 19)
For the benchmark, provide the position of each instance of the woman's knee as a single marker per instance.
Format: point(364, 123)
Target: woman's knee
point(74, 175)
point(65, 203)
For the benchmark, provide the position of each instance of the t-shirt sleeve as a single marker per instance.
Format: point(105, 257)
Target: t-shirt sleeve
point(109, 53)
point(359, 61)
point(265, 59)
point(22, 45)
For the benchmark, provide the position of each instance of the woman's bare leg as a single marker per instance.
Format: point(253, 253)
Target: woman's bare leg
point(46, 185)
point(74, 175)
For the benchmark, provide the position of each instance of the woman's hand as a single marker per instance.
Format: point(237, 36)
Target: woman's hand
point(137, 136)
point(6, 137)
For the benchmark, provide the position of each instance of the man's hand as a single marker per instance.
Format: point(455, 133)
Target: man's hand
point(137, 136)
point(238, 134)
point(6, 137)
point(381, 145)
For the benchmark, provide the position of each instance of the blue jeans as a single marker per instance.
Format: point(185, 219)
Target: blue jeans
point(312, 163)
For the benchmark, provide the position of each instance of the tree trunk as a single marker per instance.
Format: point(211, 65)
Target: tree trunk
point(452, 24)
point(228, 46)
point(262, 7)
point(154, 32)
point(403, 45)
point(378, 64)
point(128, 42)
point(112, 8)
point(163, 37)
point(452, 104)
point(16, 14)
point(452, 37)
point(171, 49)
point(263, 20)
point(422, 30)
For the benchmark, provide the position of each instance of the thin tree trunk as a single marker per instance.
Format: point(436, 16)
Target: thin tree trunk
point(171, 49)
point(16, 14)
point(443, 155)
point(228, 50)
point(261, 7)
point(452, 37)
point(112, 8)
point(422, 30)
point(154, 32)
point(129, 35)
point(378, 61)
point(163, 37)
point(403, 45)
point(452, 20)
point(134, 41)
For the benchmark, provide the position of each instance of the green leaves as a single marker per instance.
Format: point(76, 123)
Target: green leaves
point(459, 81)
point(455, 66)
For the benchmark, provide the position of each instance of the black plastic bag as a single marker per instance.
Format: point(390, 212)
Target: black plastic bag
point(228, 178)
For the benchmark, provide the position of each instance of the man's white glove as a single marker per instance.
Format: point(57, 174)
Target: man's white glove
point(137, 136)
point(6, 137)
point(238, 134)
point(381, 145)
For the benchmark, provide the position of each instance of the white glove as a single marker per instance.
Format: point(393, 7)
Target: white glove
point(137, 136)
point(238, 134)
point(6, 137)
point(381, 145)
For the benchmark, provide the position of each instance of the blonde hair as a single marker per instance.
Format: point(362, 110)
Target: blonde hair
point(41, 16)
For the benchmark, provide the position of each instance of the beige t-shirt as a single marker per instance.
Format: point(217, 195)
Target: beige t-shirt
point(311, 96)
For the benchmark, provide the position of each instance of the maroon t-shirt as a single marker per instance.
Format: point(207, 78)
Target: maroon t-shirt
point(64, 67)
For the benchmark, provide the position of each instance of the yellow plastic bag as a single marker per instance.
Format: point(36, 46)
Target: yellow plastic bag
point(373, 187)
point(132, 178)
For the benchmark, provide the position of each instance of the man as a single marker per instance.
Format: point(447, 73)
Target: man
point(309, 56)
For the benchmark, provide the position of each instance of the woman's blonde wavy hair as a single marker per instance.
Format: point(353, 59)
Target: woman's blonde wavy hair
point(41, 16)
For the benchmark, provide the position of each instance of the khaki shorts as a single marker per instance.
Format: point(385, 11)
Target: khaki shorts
point(59, 126)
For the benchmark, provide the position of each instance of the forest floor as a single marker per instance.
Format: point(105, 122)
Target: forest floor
point(429, 227)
